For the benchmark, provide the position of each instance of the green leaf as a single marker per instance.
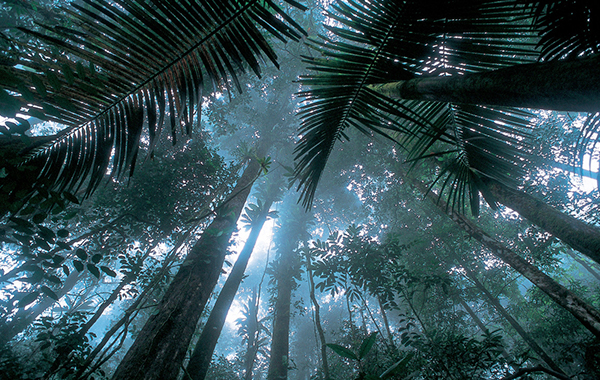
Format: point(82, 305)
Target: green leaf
point(39, 218)
point(93, 270)
point(28, 299)
point(53, 79)
point(70, 197)
point(39, 85)
point(108, 271)
point(81, 254)
point(62, 233)
point(68, 73)
point(70, 215)
point(367, 344)
point(47, 291)
point(78, 265)
point(342, 351)
point(399, 365)
point(96, 258)
point(81, 71)
point(63, 245)
point(21, 222)
point(66, 270)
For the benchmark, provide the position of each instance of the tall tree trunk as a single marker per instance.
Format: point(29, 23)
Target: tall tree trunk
point(559, 85)
point(253, 335)
point(581, 310)
point(280, 341)
point(513, 322)
point(25, 317)
point(202, 355)
point(313, 298)
point(160, 348)
point(572, 231)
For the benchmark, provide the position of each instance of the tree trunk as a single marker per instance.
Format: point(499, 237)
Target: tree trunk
point(160, 348)
point(572, 231)
point(77, 339)
point(202, 355)
point(386, 324)
point(513, 322)
point(279, 361)
point(132, 310)
point(313, 298)
point(484, 329)
point(559, 85)
point(24, 318)
point(253, 335)
point(583, 312)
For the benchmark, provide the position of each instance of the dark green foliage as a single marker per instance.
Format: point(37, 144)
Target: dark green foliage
point(451, 355)
point(51, 336)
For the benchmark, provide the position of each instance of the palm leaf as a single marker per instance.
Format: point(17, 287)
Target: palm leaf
point(567, 28)
point(396, 40)
point(129, 65)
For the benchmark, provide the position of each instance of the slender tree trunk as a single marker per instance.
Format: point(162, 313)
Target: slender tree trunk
point(202, 355)
point(280, 340)
point(133, 308)
point(572, 231)
point(77, 339)
point(559, 85)
point(483, 328)
point(513, 322)
point(386, 323)
point(25, 317)
point(253, 335)
point(159, 350)
point(313, 298)
point(581, 310)
point(473, 315)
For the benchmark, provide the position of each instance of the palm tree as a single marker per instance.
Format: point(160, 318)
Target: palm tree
point(124, 68)
point(439, 79)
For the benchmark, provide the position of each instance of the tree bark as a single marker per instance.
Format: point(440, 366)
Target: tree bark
point(571, 85)
point(280, 341)
point(572, 231)
point(313, 298)
point(159, 350)
point(202, 355)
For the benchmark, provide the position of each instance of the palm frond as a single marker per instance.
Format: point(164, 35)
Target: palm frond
point(567, 28)
point(398, 40)
point(134, 63)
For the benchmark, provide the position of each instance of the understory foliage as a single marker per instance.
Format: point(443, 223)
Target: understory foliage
point(420, 214)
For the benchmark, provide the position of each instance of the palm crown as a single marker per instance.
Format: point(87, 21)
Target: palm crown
point(132, 64)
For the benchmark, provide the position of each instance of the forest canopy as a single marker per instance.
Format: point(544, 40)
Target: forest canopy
point(259, 189)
